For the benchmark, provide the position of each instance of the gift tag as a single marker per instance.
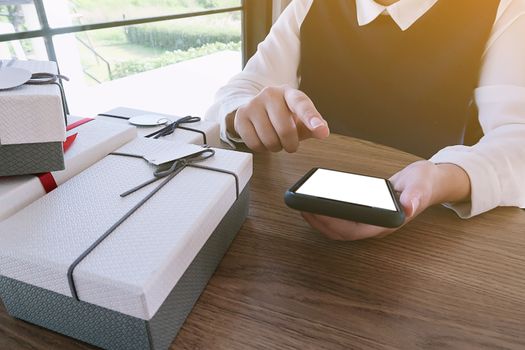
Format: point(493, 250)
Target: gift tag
point(149, 120)
point(11, 77)
point(169, 155)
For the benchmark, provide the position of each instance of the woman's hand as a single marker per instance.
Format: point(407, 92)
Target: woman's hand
point(277, 118)
point(421, 184)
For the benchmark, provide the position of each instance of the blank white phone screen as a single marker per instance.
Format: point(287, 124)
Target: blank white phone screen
point(345, 187)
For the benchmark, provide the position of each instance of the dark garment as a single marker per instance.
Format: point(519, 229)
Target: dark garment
point(407, 89)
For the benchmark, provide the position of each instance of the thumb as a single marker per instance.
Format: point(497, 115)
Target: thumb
point(304, 109)
point(411, 201)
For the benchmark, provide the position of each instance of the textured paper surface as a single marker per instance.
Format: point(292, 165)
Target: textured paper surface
point(32, 113)
point(136, 267)
point(31, 158)
point(180, 136)
point(171, 154)
point(94, 141)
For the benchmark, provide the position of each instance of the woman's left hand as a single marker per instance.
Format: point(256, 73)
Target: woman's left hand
point(421, 184)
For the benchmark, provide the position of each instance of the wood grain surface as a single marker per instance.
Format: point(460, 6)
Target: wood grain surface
point(438, 283)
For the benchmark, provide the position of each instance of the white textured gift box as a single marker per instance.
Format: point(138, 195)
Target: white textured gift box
point(133, 274)
point(94, 140)
point(206, 132)
point(32, 125)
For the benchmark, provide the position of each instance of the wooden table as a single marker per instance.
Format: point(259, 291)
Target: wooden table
point(440, 282)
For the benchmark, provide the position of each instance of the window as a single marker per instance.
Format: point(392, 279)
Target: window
point(169, 56)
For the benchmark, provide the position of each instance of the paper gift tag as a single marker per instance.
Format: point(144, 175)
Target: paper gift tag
point(11, 77)
point(149, 120)
point(169, 155)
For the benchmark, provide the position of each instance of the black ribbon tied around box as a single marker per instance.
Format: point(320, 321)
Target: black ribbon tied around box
point(169, 128)
point(46, 79)
point(50, 78)
point(165, 172)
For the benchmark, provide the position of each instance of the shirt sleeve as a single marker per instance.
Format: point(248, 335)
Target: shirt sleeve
point(496, 164)
point(275, 63)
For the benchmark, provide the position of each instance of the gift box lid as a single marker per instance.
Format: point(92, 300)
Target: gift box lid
point(134, 269)
point(94, 140)
point(182, 134)
point(32, 113)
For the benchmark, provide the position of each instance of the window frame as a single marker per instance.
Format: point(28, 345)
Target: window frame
point(256, 22)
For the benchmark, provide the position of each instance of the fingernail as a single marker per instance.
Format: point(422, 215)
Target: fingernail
point(415, 205)
point(316, 122)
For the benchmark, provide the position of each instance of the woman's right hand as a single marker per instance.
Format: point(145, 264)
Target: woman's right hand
point(277, 118)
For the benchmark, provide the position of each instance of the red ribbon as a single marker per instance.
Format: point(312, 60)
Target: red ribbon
point(69, 141)
point(46, 179)
point(78, 123)
point(48, 182)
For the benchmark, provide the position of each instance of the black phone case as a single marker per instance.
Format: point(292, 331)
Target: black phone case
point(344, 210)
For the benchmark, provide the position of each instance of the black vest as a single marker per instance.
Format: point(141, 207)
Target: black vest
point(409, 89)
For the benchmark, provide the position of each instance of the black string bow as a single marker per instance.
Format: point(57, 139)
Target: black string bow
point(170, 128)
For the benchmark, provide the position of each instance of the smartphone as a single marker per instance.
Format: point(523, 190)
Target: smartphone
point(349, 196)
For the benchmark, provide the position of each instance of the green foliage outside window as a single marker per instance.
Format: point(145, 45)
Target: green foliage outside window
point(181, 38)
point(123, 69)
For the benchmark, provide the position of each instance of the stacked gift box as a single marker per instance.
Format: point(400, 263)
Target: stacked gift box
point(116, 248)
point(32, 122)
point(92, 140)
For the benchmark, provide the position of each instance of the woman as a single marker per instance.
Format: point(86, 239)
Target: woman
point(443, 79)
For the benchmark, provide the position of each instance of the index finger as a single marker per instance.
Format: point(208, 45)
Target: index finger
point(303, 107)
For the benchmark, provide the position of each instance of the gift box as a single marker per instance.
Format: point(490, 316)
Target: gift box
point(183, 129)
point(137, 263)
point(32, 123)
point(90, 141)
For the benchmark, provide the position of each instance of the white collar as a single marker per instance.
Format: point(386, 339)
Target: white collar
point(403, 12)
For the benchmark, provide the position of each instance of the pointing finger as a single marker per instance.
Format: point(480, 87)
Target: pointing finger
point(304, 109)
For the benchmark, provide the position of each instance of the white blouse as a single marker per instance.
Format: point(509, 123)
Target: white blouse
point(495, 165)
